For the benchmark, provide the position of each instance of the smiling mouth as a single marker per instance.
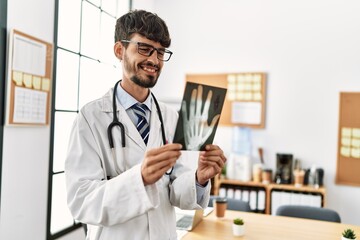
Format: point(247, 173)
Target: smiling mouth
point(148, 67)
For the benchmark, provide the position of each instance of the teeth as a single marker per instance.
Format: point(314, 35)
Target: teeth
point(149, 69)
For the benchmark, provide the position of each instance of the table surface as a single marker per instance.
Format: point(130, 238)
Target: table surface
point(267, 227)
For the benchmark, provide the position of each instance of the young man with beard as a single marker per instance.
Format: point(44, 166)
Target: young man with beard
point(122, 173)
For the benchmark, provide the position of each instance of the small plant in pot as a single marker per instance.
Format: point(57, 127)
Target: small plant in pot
point(223, 172)
point(348, 234)
point(238, 227)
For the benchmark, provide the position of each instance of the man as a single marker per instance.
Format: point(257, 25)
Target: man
point(129, 191)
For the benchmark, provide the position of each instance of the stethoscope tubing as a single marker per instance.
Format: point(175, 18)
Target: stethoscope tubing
point(115, 122)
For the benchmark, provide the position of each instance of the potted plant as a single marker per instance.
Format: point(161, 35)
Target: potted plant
point(348, 234)
point(223, 172)
point(238, 227)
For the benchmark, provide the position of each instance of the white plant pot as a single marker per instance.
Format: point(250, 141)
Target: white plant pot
point(238, 230)
point(344, 238)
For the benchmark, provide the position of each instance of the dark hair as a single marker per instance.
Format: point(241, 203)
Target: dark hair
point(144, 23)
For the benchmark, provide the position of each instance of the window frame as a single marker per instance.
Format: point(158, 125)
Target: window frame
point(75, 225)
point(3, 42)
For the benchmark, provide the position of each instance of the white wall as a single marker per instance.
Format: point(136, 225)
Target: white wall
point(308, 48)
point(310, 51)
point(26, 149)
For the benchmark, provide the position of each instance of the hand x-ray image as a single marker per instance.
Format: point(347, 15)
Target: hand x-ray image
point(199, 115)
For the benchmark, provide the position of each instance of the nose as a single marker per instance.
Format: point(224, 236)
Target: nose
point(154, 57)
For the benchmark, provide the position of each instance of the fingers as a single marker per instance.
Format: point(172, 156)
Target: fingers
point(184, 115)
point(205, 113)
point(208, 130)
point(213, 163)
point(192, 104)
point(199, 100)
point(184, 110)
point(157, 161)
point(211, 147)
point(152, 174)
point(213, 153)
point(168, 148)
point(214, 121)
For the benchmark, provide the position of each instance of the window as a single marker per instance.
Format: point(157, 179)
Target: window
point(3, 25)
point(85, 69)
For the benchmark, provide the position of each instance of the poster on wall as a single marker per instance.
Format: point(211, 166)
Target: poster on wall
point(348, 157)
point(29, 80)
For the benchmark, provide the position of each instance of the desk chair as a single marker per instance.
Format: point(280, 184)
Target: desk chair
point(308, 212)
point(233, 204)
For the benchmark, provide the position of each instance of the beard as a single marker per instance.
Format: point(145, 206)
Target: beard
point(151, 82)
point(148, 81)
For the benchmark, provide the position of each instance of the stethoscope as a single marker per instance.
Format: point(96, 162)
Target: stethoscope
point(115, 122)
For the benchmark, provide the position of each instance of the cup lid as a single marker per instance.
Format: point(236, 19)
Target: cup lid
point(221, 200)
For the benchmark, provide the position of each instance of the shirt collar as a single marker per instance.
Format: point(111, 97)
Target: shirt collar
point(127, 101)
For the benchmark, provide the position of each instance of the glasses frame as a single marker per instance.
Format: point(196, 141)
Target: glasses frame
point(159, 51)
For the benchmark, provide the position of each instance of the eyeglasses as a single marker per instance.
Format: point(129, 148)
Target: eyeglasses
point(147, 50)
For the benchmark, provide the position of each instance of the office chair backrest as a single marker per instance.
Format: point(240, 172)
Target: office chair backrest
point(233, 204)
point(308, 212)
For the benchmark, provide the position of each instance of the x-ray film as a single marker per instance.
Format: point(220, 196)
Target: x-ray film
point(199, 116)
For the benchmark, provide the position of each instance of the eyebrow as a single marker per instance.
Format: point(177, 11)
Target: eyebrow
point(149, 45)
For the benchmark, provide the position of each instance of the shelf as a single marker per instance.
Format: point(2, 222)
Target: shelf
point(291, 187)
point(269, 188)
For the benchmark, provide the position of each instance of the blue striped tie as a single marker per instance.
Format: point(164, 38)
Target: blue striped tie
point(142, 125)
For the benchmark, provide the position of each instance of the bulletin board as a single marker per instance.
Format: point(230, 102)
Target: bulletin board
point(29, 80)
point(245, 99)
point(348, 160)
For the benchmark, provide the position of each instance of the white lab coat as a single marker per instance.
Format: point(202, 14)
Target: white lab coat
point(122, 207)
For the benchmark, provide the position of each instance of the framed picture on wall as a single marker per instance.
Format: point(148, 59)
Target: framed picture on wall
point(29, 80)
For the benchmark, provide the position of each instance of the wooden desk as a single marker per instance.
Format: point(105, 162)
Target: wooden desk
point(267, 227)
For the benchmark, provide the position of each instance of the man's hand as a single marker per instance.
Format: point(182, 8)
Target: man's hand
point(196, 128)
point(159, 160)
point(211, 161)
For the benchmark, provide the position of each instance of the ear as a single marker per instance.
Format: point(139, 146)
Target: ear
point(118, 50)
